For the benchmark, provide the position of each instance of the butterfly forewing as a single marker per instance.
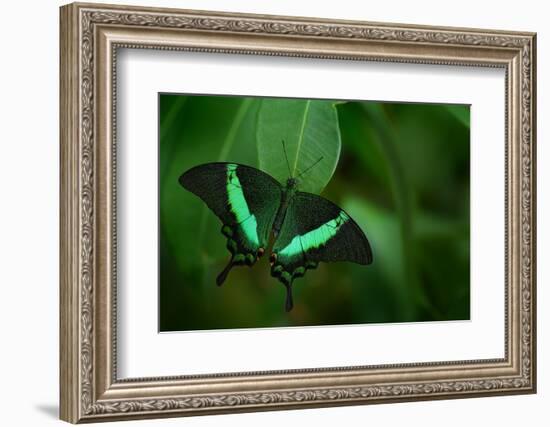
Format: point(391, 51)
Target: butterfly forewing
point(246, 201)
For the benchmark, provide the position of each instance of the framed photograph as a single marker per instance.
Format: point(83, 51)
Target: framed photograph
point(266, 212)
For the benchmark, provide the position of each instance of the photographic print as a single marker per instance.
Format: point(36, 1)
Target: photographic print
point(282, 212)
point(346, 208)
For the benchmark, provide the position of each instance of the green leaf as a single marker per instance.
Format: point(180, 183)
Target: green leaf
point(310, 131)
point(461, 113)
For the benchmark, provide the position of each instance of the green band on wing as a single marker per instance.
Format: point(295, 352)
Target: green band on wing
point(315, 238)
point(239, 207)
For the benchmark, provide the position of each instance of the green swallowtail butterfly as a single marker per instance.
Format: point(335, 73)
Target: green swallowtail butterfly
point(307, 228)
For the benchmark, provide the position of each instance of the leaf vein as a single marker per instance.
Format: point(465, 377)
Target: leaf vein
point(301, 137)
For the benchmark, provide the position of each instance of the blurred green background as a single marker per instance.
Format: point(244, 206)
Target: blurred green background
point(400, 170)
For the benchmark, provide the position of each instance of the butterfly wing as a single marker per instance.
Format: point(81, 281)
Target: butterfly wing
point(315, 230)
point(245, 199)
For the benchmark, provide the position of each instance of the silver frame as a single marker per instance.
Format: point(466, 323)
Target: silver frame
point(90, 37)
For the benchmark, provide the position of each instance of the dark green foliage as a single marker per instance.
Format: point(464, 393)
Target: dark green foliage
point(402, 175)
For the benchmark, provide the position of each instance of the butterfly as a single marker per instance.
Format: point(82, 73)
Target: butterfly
point(251, 204)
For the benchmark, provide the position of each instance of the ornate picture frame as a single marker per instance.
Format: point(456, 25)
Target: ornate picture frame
point(90, 37)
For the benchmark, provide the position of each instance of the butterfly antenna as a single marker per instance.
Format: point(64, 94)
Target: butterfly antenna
point(286, 158)
point(308, 169)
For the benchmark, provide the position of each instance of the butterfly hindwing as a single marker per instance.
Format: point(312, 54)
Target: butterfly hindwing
point(246, 201)
point(315, 230)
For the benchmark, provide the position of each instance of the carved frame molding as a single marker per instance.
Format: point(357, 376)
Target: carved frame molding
point(90, 37)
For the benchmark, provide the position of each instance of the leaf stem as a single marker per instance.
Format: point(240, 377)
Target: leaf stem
point(402, 195)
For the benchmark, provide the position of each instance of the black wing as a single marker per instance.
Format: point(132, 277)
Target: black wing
point(315, 230)
point(246, 201)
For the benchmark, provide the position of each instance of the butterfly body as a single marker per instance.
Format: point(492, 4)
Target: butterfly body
point(307, 229)
point(286, 196)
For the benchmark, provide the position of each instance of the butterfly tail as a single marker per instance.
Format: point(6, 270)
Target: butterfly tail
point(223, 275)
point(288, 303)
